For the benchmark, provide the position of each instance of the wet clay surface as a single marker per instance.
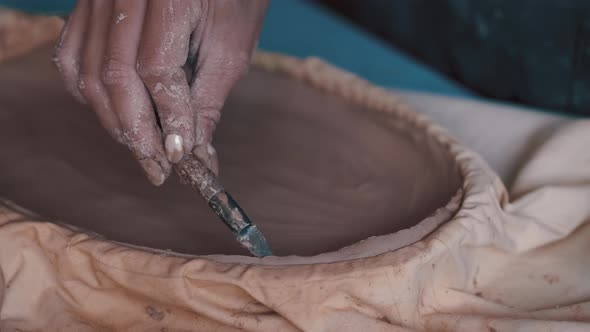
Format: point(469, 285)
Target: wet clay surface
point(313, 172)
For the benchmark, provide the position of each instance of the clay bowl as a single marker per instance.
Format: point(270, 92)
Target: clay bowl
point(318, 159)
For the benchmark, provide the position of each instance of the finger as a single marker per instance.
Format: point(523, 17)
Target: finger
point(162, 53)
point(207, 155)
point(89, 81)
point(224, 43)
point(69, 46)
point(129, 97)
point(217, 72)
point(209, 90)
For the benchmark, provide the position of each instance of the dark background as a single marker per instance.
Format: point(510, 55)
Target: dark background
point(535, 52)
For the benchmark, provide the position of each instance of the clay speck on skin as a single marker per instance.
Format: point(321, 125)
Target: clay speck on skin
point(180, 122)
point(174, 91)
point(134, 135)
point(159, 87)
point(194, 173)
point(120, 18)
point(312, 171)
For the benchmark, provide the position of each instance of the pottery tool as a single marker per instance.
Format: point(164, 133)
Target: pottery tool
point(227, 209)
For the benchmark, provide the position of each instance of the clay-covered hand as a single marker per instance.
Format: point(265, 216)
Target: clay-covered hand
point(157, 72)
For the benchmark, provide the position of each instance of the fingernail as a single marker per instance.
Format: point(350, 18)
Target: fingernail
point(210, 149)
point(204, 155)
point(174, 149)
point(154, 172)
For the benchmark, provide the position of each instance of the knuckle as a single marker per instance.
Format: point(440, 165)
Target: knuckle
point(166, 77)
point(209, 105)
point(209, 110)
point(148, 69)
point(117, 73)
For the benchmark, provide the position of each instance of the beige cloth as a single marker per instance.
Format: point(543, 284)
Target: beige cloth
point(496, 266)
point(504, 135)
point(21, 33)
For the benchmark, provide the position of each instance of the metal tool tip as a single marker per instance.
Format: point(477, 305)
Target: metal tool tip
point(253, 240)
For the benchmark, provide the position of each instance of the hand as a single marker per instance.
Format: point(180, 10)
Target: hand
point(157, 72)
